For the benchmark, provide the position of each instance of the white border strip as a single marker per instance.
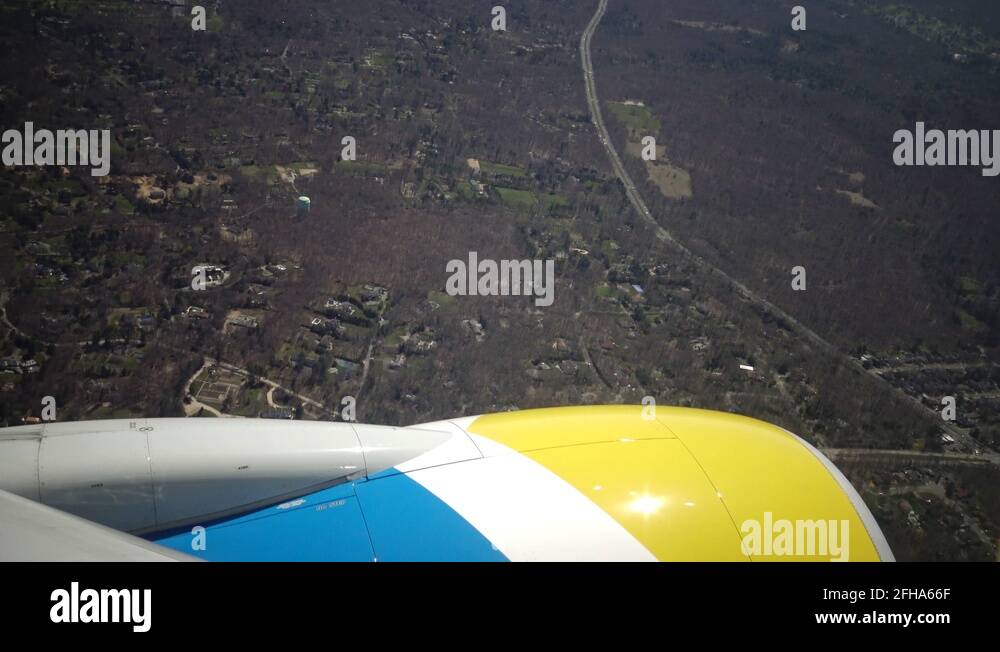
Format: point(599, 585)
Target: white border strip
point(528, 512)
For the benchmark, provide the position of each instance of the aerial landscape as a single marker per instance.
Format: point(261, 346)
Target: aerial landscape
point(300, 197)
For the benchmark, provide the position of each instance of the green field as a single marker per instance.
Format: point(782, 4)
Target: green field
point(498, 170)
point(527, 199)
point(517, 198)
point(553, 202)
point(604, 291)
point(638, 119)
point(263, 173)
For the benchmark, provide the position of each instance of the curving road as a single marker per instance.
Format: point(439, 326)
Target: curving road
point(212, 362)
point(631, 191)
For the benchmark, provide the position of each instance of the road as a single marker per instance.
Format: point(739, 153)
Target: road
point(932, 366)
point(632, 192)
point(3, 316)
point(195, 406)
point(921, 458)
point(210, 362)
point(590, 363)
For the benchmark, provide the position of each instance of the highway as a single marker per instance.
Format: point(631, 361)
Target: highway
point(920, 458)
point(631, 191)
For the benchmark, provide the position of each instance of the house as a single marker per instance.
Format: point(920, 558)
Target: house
point(373, 292)
point(322, 326)
point(257, 302)
point(213, 274)
point(342, 309)
point(244, 321)
point(699, 344)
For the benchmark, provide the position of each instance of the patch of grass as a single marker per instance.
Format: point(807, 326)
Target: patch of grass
point(970, 323)
point(719, 27)
point(928, 28)
point(441, 298)
point(377, 59)
point(969, 286)
point(251, 402)
point(268, 174)
point(123, 205)
point(466, 191)
point(637, 118)
point(498, 169)
point(604, 291)
point(554, 201)
point(395, 338)
point(529, 200)
point(215, 23)
point(673, 182)
point(517, 198)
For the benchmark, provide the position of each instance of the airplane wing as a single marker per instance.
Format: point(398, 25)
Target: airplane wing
point(34, 532)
